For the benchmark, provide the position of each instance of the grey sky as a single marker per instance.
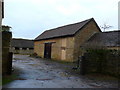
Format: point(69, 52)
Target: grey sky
point(29, 18)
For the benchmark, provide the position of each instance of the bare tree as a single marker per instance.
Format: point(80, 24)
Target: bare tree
point(105, 26)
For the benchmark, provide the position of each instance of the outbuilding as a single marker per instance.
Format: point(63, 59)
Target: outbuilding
point(107, 40)
point(22, 46)
point(64, 43)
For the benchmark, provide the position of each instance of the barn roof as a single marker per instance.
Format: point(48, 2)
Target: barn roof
point(67, 30)
point(22, 43)
point(109, 39)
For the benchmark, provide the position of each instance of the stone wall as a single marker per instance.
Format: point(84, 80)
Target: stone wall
point(22, 51)
point(102, 61)
point(0, 13)
point(6, 55)
point(27, 52)
point(82, 36)
point(62, 48)
point(0, 55)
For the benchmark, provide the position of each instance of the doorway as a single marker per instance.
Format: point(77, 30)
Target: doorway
point(47, 50)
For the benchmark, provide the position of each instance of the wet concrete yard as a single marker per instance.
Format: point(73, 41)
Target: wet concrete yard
point(39, 73)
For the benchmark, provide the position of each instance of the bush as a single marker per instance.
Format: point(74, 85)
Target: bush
point(6, 28)
point(103, 61)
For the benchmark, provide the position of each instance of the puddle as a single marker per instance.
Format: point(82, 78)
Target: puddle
point(45, 74)
point(96, 85)
point(43, 79)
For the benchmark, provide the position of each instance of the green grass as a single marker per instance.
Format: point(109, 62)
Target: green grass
point(9, 78)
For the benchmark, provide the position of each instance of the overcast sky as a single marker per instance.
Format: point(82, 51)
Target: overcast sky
point(29, 18)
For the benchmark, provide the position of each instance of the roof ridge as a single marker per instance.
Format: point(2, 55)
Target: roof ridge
point(69, 24)
point(66, 30)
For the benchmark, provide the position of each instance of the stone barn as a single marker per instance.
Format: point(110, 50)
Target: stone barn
point(64, 43)
point(22, 46)
point(108, 40)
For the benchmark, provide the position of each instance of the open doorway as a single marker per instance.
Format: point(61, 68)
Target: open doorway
point(47, 50)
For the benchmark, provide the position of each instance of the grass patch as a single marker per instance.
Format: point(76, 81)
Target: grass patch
point(8, 78)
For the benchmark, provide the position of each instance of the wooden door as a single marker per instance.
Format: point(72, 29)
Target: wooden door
point(47, 50)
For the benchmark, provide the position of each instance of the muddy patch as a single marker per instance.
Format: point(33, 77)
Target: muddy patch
point(39, 73)
point(43, 79)
point(20, 79)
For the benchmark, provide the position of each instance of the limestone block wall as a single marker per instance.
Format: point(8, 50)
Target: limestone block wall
point(62, 48)
point(0, 13)
point(22, 51)
point(83, 35)
point(39, 48)
point(70, 49)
